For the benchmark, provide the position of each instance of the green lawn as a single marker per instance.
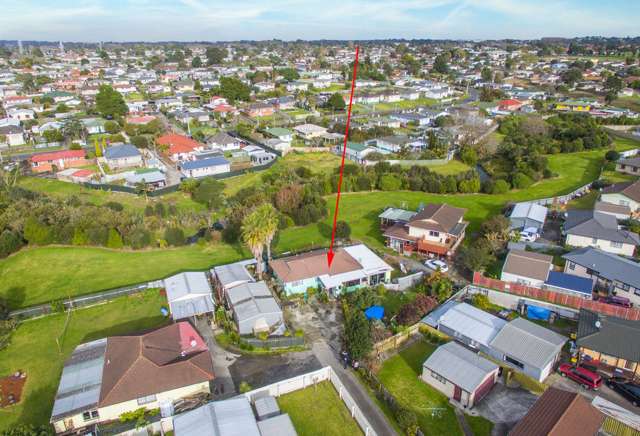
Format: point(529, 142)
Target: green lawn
point(451, 168)
point(33, 348)
point(405, 104)
point(400, 373)
point(318, 410)
point(38, 275)
point(64, 190)
point(317, 162)
point(479, 425)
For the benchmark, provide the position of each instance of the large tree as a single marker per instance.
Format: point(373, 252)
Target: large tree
point(336, 102)
point(357, 335)
point(254, 236)
point(233, 89)
point(110, 103)
point(216, 55)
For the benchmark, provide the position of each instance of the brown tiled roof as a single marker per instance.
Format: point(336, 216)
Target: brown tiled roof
point(560, 413)
point(399, 231)
point(628, 189)
point(603, 206)
point(313, 264)
point(438, 217)
point(164, 359)
point(528, 264)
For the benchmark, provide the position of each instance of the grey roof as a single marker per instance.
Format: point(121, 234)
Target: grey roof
point(632, 162)
point(606, 265)
point(189, 294)
point(528, 342)
point(280, 425)
point(529, 210)
point(222, 138)
point(232, 274)
point(121, 151)
point(147, 177)
point(391, 213)
point(247, 291)
point(473, 323)
point(433, 318)
point(233, 417)
point(615, 336)
point(460, 366)
point(594, 224)
point(204, 163)
point(266, 407)
point(10, 129)
point(79, 387)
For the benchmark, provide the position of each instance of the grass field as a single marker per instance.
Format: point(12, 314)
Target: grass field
point(33, 348)
point(64, 190)
point(400, 373)
point(318, 411)
point(38, 275)
point(479, 425)
point(316, 162)
point(405, 104)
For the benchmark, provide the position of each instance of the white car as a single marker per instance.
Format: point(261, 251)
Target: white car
point(529, 235)
point(436, 265)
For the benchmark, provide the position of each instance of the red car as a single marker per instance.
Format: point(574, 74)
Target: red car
point(587, 379)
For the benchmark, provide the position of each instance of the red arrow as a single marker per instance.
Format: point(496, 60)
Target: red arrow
point(330, 253)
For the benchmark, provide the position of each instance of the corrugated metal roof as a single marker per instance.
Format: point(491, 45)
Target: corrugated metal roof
point(232, 417)
point(247, 291)
point(193, 306)
point(79, 387)
point(394, 214)
point(607, 265)
point(187, 284)
point(280, 425)
point(528, 342)
point(460, 366)
point(581, 285)
point(232, 274)
point(529, 210)
point(472, 322)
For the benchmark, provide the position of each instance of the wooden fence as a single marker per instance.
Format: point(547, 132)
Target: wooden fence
point(558, 298)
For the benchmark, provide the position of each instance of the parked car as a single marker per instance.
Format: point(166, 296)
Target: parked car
point(529, 235)
point(587, 379)
point(629, 390)
point(616, 301)
point(436, 265)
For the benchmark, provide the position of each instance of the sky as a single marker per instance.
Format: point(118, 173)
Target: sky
point(226, 20)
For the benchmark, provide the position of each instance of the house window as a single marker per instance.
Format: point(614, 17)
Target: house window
point(615, 244)
point(514, 362)
point(146, 400)
point(434, 233)
point(439, 378)
point(90, 414)
point(594, 241)
point(572, 266)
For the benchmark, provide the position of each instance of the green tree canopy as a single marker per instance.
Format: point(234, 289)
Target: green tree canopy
point(110, 102)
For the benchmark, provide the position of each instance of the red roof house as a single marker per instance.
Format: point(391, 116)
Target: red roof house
point(180, 146)
point(60, 159)
point(509, 105)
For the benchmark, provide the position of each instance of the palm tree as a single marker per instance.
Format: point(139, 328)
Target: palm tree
point(253, 234)
point(270, 220)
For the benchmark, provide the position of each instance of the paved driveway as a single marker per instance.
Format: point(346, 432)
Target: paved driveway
point(605, 392)
point(505, 406)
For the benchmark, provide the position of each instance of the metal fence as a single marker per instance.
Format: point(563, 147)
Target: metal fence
point(279, 342)
point(558, 298)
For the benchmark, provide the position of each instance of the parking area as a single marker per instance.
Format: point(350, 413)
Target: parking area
point(505, 406)
point(605, 392)
point(318, 321)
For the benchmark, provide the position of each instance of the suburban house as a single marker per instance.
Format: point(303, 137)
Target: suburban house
point(527, 268)
point(309, 131)
point(108, 377)
point(259, 110)
point(235, 417)
point(619, 211)
point(122, 156)
point(205, 167)
point(470, 326)
point(609, 342)
point(528, 347)
point(509, 105)
point(355, 151)
point(460, 374)
point(560, 413)
point(254, 309)
point(623, 194)
point(352, 268)
point(394, 144)
point(611, 274)
point(11, 135)
point(179, 147)
point(227, 276)
point(588, 228)
point(93, 125)
point(574, 106)
point(435, 231)
point(59, 159)
point(189, 294)
point(629, 166)
point(224, 142)
point(526, 215)
point(285, 135)
point(150, 177)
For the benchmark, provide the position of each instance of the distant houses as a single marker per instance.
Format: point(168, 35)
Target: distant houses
point(50, 161)
point(122, 156)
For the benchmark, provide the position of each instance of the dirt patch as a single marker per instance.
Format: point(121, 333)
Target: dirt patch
point(11, 389)
point(260, 371)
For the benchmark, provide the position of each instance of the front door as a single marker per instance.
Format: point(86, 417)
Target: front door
point(457, 393)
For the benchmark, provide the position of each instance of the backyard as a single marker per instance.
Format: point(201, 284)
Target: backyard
point(400, 373)
point(318, 410)
point(33, 348)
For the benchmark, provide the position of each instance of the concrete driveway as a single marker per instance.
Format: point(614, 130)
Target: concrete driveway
point(605, 392)
point(505, 406)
